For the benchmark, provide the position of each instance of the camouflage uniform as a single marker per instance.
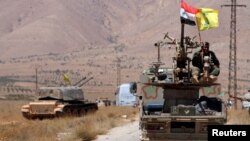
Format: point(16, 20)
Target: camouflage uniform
point(197, 62)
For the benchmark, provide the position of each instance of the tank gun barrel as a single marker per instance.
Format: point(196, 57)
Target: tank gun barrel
point(84, 82)
point(79, 81)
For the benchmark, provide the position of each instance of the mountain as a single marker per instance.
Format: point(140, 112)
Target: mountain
point(86, 38)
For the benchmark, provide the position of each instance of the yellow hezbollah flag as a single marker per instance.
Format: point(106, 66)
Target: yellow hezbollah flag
point(66, 78)
point(207, 18)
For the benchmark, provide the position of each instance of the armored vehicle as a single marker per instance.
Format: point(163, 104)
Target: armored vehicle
point(58, 102)
point(171, 106)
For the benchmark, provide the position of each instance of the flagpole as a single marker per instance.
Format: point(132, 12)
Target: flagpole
point(199, 33)
point(199, 36)
point(182, 35)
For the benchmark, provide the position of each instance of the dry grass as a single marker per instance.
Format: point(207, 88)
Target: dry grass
point(10, 111)
point(239, 116)
point(105, 119)
point(13, 127)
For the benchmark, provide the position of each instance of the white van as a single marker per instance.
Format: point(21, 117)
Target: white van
point(124, 97)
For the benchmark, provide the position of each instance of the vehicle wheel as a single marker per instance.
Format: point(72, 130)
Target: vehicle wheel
point(67, 112)
point(59, 114)
point(26, 115)
point(82, 112)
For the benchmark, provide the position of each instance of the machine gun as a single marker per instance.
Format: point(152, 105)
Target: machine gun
point(181, 61)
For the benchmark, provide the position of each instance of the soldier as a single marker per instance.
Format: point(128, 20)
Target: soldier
point(199, 61)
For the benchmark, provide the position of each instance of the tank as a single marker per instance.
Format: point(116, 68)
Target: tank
point(171, 106)
point(58, 102)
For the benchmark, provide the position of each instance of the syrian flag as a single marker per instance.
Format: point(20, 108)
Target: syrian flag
point(187, 13)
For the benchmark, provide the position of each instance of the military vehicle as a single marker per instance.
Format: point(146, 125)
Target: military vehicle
point(171, 106)
point(59, 101)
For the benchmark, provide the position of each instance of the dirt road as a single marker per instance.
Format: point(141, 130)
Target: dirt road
point(128, 132)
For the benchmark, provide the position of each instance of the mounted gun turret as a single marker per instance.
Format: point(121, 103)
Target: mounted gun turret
point(60, 101)
point(181, 61)
point(173, 107)
point(181, 70)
